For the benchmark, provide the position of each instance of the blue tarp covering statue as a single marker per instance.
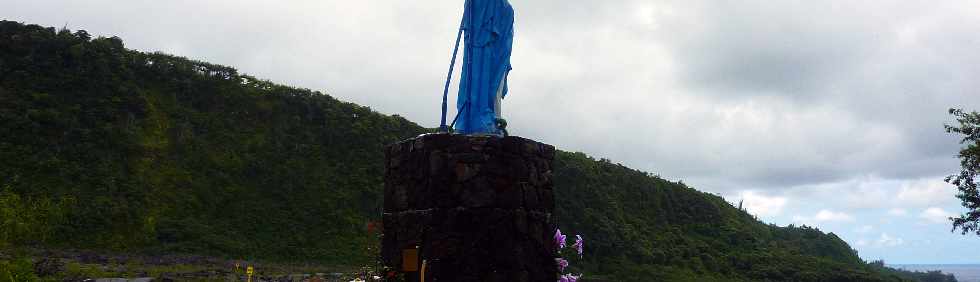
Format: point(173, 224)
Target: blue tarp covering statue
point(488, 26)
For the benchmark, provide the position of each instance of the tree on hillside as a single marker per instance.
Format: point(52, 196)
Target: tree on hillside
point(966, 180)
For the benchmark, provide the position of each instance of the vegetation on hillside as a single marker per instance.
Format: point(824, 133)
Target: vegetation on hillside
point(643, 228)
point(111, 149)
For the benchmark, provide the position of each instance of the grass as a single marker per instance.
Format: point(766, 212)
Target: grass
point(18, 265)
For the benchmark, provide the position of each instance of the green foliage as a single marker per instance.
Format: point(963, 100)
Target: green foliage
point(966, 180)
point(930, 276)
point(29, 221)
point(17, 270)
point(108, 148)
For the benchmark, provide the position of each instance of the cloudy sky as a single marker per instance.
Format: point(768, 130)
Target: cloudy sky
point(825, 113)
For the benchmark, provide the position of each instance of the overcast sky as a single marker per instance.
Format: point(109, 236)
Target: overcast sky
point(825, 113)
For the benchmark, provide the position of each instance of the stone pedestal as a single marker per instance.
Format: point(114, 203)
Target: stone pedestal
point(469, 208)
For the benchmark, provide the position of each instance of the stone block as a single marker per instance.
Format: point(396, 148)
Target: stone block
point(509, 195)
point(466, 171)
point(531, 196)
point(477, 193)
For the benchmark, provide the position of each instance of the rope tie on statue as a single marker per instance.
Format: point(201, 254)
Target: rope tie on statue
point(449, 78)
point(502, 125)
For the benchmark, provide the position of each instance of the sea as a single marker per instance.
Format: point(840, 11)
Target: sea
point(963, 272)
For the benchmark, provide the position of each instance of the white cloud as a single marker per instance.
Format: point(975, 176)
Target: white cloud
point(823, 216)
point(867, 192)
point(827, 215)
point(864, 229)
point(762, 205)
point(897, 212)
point(888, 241)
point(923, 193)
point(936, 215)
point(875, 192)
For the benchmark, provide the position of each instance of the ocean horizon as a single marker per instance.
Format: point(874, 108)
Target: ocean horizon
point(963, 272)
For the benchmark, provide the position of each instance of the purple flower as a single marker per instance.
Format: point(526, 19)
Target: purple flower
point(579, 244)
point(568, 278)
point(559, 239)
point(562, 264)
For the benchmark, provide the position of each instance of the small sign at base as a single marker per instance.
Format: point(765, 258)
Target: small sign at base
point(410, 260)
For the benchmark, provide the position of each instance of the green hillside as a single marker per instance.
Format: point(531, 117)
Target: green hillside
point(105, 148)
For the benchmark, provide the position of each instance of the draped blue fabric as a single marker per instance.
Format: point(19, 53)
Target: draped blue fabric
point(488, 26)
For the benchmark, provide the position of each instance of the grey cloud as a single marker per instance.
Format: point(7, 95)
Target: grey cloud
point(725, 95)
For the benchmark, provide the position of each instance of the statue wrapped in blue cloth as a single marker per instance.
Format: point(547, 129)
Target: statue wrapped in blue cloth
point(489, 36)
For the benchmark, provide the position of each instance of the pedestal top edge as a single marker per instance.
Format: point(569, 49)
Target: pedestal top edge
point(457, 138)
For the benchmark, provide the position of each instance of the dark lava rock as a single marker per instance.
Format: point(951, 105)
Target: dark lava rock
point(474, 208)
point(48, 266)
